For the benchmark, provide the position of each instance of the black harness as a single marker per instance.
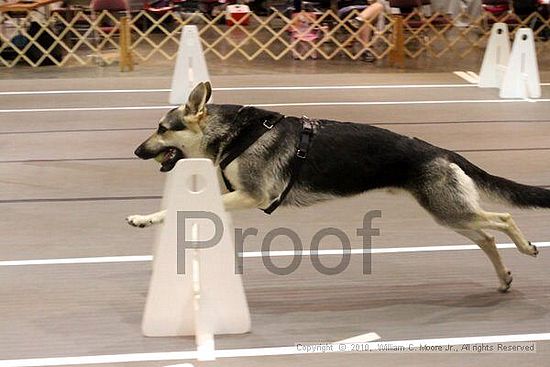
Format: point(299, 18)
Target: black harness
point(242, 142)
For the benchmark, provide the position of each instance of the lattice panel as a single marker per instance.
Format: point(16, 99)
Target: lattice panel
point(83, 38)
point(87, 38)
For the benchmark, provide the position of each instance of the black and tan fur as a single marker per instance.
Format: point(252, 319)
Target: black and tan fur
point(345, 159)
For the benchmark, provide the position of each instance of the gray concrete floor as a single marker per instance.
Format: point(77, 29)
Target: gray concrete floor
point(68, 179)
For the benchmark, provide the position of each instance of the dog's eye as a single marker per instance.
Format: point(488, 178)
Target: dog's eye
point(161, 129)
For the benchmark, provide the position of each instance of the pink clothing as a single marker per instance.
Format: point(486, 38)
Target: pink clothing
point(302, 28)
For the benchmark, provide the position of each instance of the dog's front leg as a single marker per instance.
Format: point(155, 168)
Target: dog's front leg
point(143, 221)
point(231, 201)
point(239, 200)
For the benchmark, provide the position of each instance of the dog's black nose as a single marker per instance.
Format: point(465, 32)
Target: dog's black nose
point(140, 152)
point(145, 152)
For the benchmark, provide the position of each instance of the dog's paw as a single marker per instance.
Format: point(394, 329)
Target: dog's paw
point(140, 221)
point(534, 251)
point(506, 282)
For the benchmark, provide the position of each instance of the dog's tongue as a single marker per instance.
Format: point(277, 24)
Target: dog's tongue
point(165, 156)
point(168, 158)
point(169, 155)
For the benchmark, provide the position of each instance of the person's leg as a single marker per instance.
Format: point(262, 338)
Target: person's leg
point(371, 12)
point(365, 28)
point(366, 16)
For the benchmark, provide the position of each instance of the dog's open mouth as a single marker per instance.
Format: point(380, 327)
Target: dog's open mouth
point(168, 158)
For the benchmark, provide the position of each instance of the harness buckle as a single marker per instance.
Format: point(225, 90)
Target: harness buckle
point(268, 125)
point(301, 153)
point(307, 126)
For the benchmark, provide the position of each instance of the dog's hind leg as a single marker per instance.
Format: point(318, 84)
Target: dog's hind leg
point(487, 244)
point(452, 198)
point(143, 221)
point(503, 222)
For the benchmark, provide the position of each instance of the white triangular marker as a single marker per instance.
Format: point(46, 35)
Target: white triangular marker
point(190, 66)
point(522, 75)
point(209, 298)
point(495, 60)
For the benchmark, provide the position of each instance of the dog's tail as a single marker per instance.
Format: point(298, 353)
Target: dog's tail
point(503, 189)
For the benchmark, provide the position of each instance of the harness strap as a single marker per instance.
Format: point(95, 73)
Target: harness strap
point(297, 162)
point(242, 143)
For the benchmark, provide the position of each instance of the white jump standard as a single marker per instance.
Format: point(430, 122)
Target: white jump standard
point(516, 74)
point(207, 297)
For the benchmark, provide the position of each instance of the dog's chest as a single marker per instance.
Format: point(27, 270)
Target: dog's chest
point(232, 174)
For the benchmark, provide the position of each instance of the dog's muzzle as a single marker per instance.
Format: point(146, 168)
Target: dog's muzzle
point(167, 157)
point(143, 153)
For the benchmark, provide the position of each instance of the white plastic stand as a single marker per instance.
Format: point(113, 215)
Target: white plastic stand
point(209, 298)
point(521, 79)
point(495, 60)
point(190, 66)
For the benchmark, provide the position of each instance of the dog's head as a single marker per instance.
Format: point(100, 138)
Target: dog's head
point(179, 132)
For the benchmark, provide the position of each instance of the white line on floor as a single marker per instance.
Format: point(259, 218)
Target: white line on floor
point(81, 91)
point(79, 260)
point(469, 76)
point(232, 89)
point(475, 76)
point(363, 338)
point(75, 109)
point(269, 351)
point(388, 250)
point(299, 104)
point(253, 254)
point(390, 103)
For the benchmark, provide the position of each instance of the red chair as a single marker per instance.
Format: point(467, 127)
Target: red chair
point(119, 7)
point(112, 5)
point(496, 7)
point(159, 7)
point(106, 15)
point(498, 11)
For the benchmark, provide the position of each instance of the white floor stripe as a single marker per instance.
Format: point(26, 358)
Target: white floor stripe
point(363, 338)
point(268, 88)
point(393, 103)
point(81, 91)
point(79, 260)
point(256, 88)
point(299, 104)
point(253, 254)
point(344, 87)
point(89, 109)
point(475, 77)
point(270, 351)
point(468, 77)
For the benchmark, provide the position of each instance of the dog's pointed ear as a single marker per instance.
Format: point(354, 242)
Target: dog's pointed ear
point(208, 87)
point(194, 109)
point(198, 98)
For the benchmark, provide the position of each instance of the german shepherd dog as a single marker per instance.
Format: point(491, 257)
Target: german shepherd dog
point(344, 159)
